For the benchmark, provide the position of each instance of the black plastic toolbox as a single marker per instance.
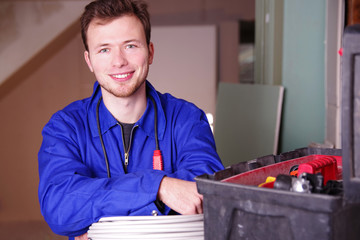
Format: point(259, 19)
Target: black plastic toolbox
point(238, 211)
point(244, 211)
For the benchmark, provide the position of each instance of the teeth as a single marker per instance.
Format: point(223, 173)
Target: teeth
point(122, 75)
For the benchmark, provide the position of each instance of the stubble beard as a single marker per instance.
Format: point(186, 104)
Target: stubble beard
point(123, 90)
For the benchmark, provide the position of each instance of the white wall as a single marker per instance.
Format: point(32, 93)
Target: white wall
point(185, 63)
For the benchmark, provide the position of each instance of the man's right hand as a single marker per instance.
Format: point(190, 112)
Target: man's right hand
point(181, 196)
point(82, 237)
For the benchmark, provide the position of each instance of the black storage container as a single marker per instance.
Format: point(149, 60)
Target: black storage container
point(244, 211)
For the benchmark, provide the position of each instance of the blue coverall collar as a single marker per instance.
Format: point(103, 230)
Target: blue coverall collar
point(145, 123)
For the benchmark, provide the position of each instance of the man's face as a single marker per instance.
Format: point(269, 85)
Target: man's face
point(118, 54)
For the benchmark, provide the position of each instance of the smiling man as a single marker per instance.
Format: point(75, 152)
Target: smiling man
point(127, 149)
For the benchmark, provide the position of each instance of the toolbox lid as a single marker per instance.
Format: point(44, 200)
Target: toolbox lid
point(350, 113)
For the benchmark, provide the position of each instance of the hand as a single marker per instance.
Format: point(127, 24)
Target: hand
point(82, 237)
point(181, 196)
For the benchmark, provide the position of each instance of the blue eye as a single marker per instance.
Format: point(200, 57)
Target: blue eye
point(130, 46)
point(104, 50)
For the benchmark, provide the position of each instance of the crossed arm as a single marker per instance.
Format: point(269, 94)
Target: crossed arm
point(181, 196)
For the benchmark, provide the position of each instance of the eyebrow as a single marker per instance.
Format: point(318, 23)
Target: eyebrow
point(132, 40)
point(102, 45)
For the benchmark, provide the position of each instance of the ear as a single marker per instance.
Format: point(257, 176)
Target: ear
point(87, 60)
point(151, 53)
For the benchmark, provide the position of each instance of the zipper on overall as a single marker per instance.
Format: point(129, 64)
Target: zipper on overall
point(126, 151)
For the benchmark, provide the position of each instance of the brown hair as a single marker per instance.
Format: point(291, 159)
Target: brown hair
point(110, 9)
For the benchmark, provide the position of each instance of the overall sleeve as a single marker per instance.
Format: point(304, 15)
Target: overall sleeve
point(195, 144)
point(72, 198)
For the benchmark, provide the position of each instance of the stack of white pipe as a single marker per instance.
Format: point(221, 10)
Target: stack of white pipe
point(175, 227)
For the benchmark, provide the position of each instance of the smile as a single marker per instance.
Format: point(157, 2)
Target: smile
point(121, 75)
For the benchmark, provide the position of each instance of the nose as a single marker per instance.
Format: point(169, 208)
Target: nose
point(119, 58)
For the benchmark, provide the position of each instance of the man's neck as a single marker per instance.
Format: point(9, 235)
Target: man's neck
point(129, 109)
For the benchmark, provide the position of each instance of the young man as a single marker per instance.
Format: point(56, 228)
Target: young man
point(96, 159)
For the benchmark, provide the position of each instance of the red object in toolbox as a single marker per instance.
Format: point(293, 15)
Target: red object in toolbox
point(312, 162)
point(326, 165)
